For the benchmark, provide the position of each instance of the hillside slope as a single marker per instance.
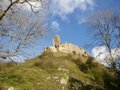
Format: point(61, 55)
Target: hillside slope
point(57, 71)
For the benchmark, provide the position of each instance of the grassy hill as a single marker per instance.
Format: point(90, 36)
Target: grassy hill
point(57, 71)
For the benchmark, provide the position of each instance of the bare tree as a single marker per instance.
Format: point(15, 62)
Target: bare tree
point(106, 29)
point(22, 22)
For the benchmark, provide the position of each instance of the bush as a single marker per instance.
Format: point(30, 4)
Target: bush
point(11, 78)
point(5, 65)
point(111, 81)
point(75, 84)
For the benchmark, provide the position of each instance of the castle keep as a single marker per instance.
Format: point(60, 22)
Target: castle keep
point(65, 47)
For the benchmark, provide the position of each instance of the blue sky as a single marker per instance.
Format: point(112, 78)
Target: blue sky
point(70, 24)
point(67, 19)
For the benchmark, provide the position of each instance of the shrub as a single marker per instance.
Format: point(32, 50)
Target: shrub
point(11, 78)
point(75, 84)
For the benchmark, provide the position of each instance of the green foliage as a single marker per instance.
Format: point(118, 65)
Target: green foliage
point(84, 67)
point(11, 78)
point(51, 71)
point(75, 84)
point(111, 81)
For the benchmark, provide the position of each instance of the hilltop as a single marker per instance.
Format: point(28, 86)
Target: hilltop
point(66, 47)
point(57, 71)
point(63, 66)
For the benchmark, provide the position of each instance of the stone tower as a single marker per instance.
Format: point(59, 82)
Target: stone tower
point(56, 41)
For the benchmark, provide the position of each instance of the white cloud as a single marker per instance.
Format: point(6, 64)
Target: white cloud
point(55, 25)
point(82, 20)
point(103, 56)
point(65, 7)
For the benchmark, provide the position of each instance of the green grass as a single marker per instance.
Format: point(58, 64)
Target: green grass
point(57, 71)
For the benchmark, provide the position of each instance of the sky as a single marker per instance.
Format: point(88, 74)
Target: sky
point(70, 24)
point(68, 19)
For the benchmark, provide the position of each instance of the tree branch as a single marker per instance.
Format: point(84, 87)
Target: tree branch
point(4, 13)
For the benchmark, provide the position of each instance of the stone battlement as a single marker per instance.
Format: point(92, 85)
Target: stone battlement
point(65, 47)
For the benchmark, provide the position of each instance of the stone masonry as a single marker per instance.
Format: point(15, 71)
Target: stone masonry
point(65, 47)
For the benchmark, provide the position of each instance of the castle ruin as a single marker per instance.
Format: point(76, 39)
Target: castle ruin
point(65, 47)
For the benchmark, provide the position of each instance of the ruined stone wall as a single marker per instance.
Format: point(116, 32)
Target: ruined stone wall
point(56, 41)
point(65, 47)
point(71, 48)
